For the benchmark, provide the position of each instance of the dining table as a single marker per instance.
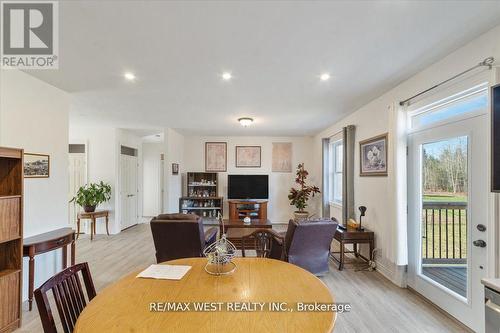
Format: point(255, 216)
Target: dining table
point(261, 295)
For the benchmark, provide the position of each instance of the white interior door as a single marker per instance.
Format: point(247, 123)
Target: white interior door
point(445, 233)
point(77, 178)
point(128, 190)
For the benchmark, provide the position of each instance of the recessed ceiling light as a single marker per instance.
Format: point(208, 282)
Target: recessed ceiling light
point(325, 77)
point(245, 121)
point(226, 76)
point(129, 76)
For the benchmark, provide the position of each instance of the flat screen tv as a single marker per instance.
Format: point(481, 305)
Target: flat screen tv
point(248, 186)
point(495, 138)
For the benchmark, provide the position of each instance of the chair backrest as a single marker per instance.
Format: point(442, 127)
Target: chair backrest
point(68, 297)
point(177, 236)
point(263, 240)
point(307, 243)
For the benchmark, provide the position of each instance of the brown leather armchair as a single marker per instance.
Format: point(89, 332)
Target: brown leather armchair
point(180, 236)
point(307, 244)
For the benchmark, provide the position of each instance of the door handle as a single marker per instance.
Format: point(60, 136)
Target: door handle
point(479, 243)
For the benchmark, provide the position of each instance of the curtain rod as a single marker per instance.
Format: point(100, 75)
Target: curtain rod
point(488, 62)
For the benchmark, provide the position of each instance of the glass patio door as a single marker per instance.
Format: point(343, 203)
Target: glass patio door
point(448, 216)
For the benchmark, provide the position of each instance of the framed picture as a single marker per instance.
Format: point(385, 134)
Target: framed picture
point(36, 165)
point(215, 156)
point(373, 156)
point(175, 168)
point(282, 157)
point(248, 156)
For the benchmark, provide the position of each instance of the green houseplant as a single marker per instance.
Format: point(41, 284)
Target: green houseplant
point(89, 196)
point(299, 197)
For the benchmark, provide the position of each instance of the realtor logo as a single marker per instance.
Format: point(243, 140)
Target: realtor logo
point(29, 34)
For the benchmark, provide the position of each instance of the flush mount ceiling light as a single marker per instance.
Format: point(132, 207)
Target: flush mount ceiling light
point(245, 121)
point(226, 76)
point(324, 77)
point(129, 76)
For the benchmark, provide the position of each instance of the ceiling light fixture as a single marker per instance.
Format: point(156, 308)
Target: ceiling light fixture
point(325, 77)
point(245, 121)
point(129, 76)
point(226, 76)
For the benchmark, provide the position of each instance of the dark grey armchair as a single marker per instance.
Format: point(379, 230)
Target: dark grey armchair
point(180, 236)
point(307, 244)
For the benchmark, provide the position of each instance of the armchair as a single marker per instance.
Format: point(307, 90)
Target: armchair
point(307, 244)
point(180, 236)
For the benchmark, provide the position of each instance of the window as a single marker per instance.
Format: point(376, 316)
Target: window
point(464, 104)
point(336, 159)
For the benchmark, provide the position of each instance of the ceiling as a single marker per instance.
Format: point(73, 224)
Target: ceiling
point(274, 50)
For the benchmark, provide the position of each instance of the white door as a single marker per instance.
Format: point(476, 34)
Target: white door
point(128, 190)
point(77, 178)
point(447, 210)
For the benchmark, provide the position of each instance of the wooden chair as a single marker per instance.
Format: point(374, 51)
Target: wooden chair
point(68, 296)
point(264, 239)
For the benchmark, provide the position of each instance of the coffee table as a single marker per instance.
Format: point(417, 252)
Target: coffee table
point(237, 229)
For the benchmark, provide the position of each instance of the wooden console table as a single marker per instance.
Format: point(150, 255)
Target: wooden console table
point(49, 241)
point(354, 237)
point(255, 209)
point(92, 216)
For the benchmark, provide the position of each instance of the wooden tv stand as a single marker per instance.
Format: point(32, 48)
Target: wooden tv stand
point(255, 209)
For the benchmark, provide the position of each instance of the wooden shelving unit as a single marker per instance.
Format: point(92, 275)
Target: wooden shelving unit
point(11, 242)
point(202, 198)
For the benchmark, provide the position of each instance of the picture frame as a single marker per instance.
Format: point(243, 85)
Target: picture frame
point(373, 156)
point(36, 165)
point(175, 168)
point(215, 156)
point(282, 157)
point(248, 156)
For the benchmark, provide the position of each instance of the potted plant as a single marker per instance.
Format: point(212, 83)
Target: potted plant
point(299, 197)
point(89, 196)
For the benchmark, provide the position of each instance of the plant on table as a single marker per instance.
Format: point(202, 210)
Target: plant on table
point(89, 196)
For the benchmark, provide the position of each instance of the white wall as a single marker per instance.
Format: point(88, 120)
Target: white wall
point(380, 194)
point(34, 116)
point(174, 154)
point(279, 209)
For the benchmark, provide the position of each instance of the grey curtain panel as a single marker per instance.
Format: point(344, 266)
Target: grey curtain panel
point(349, 135)
point(325, 191)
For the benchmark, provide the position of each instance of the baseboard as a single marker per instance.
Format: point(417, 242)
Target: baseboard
point(394, 273)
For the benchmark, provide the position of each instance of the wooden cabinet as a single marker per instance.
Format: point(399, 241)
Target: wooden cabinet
point(202, 198)
point(254, 209)
point(11, 231)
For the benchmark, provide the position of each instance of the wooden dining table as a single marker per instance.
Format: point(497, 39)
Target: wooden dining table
point(125, 306)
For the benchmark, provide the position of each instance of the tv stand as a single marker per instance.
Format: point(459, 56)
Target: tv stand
point(254, 209)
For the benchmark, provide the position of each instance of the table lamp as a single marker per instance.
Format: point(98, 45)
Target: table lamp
point(362, 210)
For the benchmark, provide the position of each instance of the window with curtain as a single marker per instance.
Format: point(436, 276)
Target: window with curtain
point(336, 153)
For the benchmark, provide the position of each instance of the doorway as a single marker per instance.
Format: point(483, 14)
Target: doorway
point(77, 178)
point(128, 187)
point(448, 206)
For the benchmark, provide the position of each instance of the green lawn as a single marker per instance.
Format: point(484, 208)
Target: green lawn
point(449, 198)
point(453, 231)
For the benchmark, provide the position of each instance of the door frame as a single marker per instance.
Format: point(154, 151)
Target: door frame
point(416, 280)
point(118, 204)
point(86, 180)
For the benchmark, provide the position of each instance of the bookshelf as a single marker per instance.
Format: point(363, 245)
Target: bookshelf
point(202, 198)
point(11, 231)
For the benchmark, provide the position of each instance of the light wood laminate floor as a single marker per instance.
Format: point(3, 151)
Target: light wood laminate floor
point(377, 304)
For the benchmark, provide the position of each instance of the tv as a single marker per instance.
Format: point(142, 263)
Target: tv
point(248, 186)
point(495, 138)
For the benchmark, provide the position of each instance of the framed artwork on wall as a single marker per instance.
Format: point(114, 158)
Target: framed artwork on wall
point(373, 156)
point(215, 156)
point(282, 157)
point(36, 165)
point(175, 168)
point(248, 156)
